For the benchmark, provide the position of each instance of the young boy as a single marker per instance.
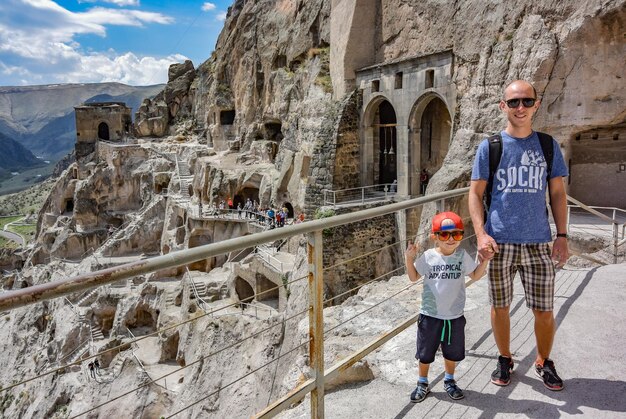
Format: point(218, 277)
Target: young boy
point(441, 321)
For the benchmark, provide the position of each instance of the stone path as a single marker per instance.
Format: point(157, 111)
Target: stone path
point(589, 351)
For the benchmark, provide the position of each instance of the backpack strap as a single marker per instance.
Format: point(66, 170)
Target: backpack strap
point(547, 146)
point(495, 154)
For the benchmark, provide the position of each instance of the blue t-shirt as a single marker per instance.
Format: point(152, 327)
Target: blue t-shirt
point(518, 211)
point(443, 294)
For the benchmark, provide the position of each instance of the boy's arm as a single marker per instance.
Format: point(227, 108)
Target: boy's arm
point(480, 270)
point(409, 259)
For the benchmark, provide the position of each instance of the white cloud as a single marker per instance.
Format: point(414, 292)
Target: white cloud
point(126, 68)
point(221, 16)
point(206, 7)
point(116, 2)
point(37, 45)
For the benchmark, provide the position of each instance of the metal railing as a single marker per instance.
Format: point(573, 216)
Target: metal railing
point(314, 229)
point(270, 259)
point(612, 221)
point(361, 195)
point(41, 292)
point(199, 300)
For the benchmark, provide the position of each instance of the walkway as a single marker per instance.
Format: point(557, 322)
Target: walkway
point(7, 234)
point(589, 352)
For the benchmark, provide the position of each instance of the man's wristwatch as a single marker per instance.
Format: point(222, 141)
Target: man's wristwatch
point(564, 235)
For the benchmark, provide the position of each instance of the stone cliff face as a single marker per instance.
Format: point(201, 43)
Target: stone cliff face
point(262, 119)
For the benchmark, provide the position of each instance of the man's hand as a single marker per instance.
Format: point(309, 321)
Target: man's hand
point(487, 247)
point(560, 251)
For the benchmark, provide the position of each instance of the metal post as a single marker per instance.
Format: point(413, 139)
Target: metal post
point(334, 199)
point(615, 240)
point(441, 205)
point(316, 322)
point(362, 195)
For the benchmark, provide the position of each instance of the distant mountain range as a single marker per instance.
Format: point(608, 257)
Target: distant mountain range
point(41, 118)
point(15, 157)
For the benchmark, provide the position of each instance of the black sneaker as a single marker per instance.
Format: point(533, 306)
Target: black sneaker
point(547, 372)
point(501, 376)
point(453, 390)
point(420, 392)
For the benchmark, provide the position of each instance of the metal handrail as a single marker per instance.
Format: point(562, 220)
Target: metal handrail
point(203, 304)
point(270, 258)
point(613, 221)
point(359, 195)
point(41, 292)
point(256, 307)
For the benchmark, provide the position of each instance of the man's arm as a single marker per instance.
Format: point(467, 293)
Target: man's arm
point(486, 244)
point(558, 205)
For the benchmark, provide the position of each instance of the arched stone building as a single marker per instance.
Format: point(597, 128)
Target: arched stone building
point(108, 121)
point(405, 119)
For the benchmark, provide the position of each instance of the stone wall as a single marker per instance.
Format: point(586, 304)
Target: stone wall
point(347, 173)
point(104, 121)
point(349, 241)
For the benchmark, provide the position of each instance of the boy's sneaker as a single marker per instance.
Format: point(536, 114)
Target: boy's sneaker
point(420, 392)
point(501, 376)
point(547, 372)
point(453, 390)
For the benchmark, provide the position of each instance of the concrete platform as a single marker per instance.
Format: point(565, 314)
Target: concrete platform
point(589, 350)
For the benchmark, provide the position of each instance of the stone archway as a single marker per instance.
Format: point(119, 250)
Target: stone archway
point(244, 290)
point(430, 127)
point(379, 143)
point(290, 213)
point(103, 131)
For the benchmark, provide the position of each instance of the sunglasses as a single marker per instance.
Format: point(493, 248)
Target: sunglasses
point(445, 235)
point(528, 102)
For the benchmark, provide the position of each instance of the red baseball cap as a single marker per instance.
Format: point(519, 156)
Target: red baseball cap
point(446, 221)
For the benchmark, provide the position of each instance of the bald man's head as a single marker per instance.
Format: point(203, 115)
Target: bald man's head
point(518, 85)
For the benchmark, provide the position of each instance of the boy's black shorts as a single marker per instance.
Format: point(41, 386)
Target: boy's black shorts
point(429, 337)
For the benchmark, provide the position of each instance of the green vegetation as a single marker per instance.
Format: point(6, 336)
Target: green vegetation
point(26, 202)
point(26, 230)
point(6, 401)
point(285, 279)
point(6, 220)
point(323, 77)
point(324, 213)
point(6, 243)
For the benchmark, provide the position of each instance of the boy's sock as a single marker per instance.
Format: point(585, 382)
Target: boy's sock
point(448, 377)
point(423, 380)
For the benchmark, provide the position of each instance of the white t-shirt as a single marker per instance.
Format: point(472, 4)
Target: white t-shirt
point(443, 295)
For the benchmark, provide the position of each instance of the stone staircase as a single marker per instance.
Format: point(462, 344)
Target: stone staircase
point(200, 289)
point(96, 333)
point(119, 233)
point(79, 352)
point(114, 369)
point(184, 176)
point(118, 317)
point(170, 297)
point(86, 297)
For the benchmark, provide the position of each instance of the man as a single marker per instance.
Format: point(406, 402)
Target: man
point(424, 180)
point(516, 233)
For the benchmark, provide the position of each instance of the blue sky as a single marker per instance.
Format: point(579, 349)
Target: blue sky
point(90, 41)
